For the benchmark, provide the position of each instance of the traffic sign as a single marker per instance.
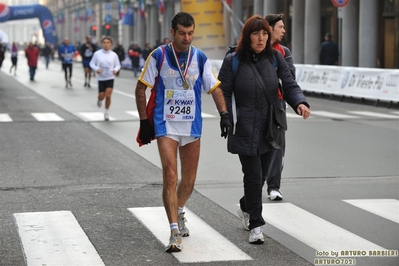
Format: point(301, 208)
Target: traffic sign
point(340, 3)
point(108, 18)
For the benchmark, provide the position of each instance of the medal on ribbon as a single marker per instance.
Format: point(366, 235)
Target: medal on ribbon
point(186, 86)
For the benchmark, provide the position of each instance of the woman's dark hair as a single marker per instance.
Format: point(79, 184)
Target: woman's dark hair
point(254, 23)
point(182, 18)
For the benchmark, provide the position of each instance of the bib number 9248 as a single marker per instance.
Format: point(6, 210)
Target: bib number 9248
point(177, 110)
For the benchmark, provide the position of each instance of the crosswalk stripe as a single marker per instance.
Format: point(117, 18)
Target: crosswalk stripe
point(136, 114)
point(55, 238)
point(133, 113)
point(313, 230)
point(45, 117)
point(5, 118)
point(205, 115)
point(94, 116)
point(395, 112)
point(332, 115)
point(124, 94)
point(386, 208)
point(204, 243)
point(373, 114)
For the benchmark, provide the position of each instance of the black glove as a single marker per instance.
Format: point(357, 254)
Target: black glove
point(225, 125)
point(146, 131)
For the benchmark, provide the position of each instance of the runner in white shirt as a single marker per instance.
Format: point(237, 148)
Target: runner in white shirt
point(105, 63)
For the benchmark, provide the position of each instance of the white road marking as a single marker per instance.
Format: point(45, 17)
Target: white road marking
point(386, 208)
point(373, 114)
point(47, 117)
point(133, 113)
point(55, 238)
point(136, 114)
point(313, 230)
point(5, 118)
point(204, 243)
point(124, 94)
point(205, 115)
point(94, 116)
point(332, 115)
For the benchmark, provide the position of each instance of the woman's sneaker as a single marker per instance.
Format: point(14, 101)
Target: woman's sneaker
point(175, 242)
point(256, 235)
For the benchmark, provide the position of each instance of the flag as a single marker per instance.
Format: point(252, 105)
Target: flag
point(80, 14)
point(128, 18)
point(89, 13)
point(161, 6)
point(62, 18)
point(229, 2)
point(142, 8)
point(122, 9)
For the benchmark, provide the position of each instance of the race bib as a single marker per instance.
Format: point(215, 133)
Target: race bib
point(68, 57)
point(88, 53)
point(179, 105)
point(106, 70)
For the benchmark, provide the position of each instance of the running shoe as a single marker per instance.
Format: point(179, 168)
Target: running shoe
point(256, 235)
point(182, 225)
point(99, 103)
point(175, 242)
point(275, 195)
point(106, 117)
point(70, 83)
point(244, 218)
point(85, 84)
point(88, 85)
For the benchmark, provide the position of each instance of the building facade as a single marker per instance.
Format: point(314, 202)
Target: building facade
point(367, 31)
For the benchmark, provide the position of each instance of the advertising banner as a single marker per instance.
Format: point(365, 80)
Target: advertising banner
point(367, 83)
point(32, 11)
point(209, 33)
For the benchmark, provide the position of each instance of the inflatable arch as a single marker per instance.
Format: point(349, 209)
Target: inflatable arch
point(32, 11)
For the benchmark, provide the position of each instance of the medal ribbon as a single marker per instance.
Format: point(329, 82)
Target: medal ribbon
point(182, 75)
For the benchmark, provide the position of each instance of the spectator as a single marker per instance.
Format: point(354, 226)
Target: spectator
point(329, 51)
point(146, 51)
point(120, 51)
point(46, 52)
point(32, 54)
point(134, 54)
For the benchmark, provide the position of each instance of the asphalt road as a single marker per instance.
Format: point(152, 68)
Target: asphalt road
point(95, 170)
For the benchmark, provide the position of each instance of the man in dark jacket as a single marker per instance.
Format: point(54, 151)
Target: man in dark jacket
point(328, 51)
point(273, 178)
point(46, 52)
point(121, 54)
point(134, 54)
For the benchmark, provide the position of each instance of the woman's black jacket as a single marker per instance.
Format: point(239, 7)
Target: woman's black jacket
point(249, 121)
